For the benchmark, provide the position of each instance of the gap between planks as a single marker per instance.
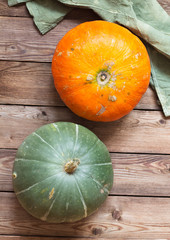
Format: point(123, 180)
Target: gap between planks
point(114, 152)
point(117, 195)
point(30, 105)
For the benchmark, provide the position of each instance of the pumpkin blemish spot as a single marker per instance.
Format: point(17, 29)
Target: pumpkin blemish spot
point(112, 98)
point(59, 54)
point(44, 190)
point(68, 53)
point(51, 193)
point(112, 85)
point(102, 191)
point(14, 175)
point(67, 204)
point(132, 66)
point(137, 55)
point(102, 110)
point(89, 77)
point(109, 65)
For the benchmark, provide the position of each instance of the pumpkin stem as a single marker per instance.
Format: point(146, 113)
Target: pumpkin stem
point(103, 78)
point(71, 166)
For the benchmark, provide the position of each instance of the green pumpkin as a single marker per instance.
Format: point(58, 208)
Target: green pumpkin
point(62, 173)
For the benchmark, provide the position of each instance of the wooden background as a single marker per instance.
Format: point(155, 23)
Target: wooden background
point(139, 204)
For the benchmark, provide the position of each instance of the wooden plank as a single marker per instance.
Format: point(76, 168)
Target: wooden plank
point(19, 10)
point(139, 131)
point(21, 41)
point(134, 174)
point(32, 84)
point(135, 217)
point(27, 83)
point(2, 237)
point(124, 135)
point(142, 175)
point(6, 163)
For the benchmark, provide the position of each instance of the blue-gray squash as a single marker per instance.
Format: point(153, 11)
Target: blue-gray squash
point(62, 173)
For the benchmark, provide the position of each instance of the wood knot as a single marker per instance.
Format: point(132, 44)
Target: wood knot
point(116, 214)
point(162, 121)
point(44, 113)
point(41, 115)
point(96, 231)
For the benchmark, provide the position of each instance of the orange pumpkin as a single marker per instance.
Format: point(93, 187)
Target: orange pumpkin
point(101, 70)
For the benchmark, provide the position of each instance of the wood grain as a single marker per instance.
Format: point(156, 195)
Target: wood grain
point(21, 41)
point(30, 83)
point(27, 83)
point(132, 217)
point(19, 10)
point(150, 173)
point(42, 238)
point(139, 131)
point(4, 237)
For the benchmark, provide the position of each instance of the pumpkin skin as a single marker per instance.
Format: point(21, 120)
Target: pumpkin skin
point(100, 70)
point(50, 190)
